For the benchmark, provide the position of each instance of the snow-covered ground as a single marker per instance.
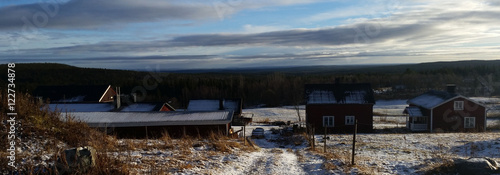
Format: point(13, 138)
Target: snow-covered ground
point(287, 113)
point(376, 153)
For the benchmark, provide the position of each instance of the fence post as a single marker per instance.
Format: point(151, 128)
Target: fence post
point(324, 140)
point(354, 142)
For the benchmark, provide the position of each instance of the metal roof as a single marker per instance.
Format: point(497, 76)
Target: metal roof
point(413, 111)
point(214, 105)
point(203, 105)
point(81, 107)
point(360, 93)
point(134, 119)
point(140, 107)
point(431, 99)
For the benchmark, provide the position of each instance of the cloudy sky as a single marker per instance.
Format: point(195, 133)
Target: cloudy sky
point(185, 34)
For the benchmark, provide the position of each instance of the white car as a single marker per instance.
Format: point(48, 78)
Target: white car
point(258, 133)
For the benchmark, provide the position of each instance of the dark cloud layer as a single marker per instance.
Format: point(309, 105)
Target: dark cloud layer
point(365, 33)
point(85, 14)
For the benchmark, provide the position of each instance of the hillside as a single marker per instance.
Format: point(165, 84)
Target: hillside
point(273, 87)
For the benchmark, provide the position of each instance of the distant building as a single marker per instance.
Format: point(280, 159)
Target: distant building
point(109, 107)
point(154, 124)
point(63, 94)
point(445, 111)
point(337, 107)
point(234, 105)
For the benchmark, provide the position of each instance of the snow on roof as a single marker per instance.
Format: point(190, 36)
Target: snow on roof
point(213, 105)
point(413, 111)
point(79, 98)
point(134, 119)
point(319, 96)
point(231, 105)
point(139, 107)
point(339, 94)
point(81, 107)
point(431, 99)
point(203, 105)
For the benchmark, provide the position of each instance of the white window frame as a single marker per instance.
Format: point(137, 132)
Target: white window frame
point(328, 121)
point(349, 120)
point(458, 105)
point(469, 122)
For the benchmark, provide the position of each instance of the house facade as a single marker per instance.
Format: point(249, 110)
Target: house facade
point(337, 107)
point(445, 111)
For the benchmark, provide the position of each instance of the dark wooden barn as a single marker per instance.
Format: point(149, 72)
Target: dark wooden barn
point(445, 111)
point(154, 124)
point(336, 107)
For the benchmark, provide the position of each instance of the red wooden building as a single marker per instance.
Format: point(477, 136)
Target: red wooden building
point(445, 111)
point(336, 107)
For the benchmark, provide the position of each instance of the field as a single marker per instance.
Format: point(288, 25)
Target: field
point(389, 150)
point(383, 152)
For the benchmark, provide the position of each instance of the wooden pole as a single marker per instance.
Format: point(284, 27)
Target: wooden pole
point(354, 141)
point(244, 135)
point(313, 139)
point(324, 140)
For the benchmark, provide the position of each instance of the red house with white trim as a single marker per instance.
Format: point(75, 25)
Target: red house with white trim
point(336, 107)
point(445, 111)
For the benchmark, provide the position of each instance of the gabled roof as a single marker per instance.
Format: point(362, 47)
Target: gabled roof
point(81, 107)
point(142, 107)
point(433, 98)
point(72, 93)
point(360, 93)
point(214, 105)
point(413, 111)
point(136, 119)
point(107, 107)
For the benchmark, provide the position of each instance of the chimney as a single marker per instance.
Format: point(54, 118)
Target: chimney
point(134, 97)
point(451, 88)
point(221, 104)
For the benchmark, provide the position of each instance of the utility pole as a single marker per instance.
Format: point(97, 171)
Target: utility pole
point(354, 141)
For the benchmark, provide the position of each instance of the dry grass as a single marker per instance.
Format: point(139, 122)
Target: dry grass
point(42, 129)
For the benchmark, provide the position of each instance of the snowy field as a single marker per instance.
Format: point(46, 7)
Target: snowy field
point(376, 153)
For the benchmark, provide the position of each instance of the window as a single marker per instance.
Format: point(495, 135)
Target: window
point(349, 120)
point(470, 122)
point(459, 105)
point(328, 121)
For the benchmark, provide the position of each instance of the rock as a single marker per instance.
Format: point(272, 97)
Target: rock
point(76, 160)
point(476, 166)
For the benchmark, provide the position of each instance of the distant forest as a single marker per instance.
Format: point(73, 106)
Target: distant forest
point(268, 87)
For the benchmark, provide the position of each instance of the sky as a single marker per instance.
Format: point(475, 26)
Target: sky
point(214, 34)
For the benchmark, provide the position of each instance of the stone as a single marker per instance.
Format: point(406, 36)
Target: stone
point(74, 160)
point(476, 165)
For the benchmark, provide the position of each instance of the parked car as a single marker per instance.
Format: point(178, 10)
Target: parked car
point(258, 133)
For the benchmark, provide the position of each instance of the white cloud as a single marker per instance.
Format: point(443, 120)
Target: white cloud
point(248, 28)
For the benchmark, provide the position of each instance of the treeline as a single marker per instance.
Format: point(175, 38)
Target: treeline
point(270, 89)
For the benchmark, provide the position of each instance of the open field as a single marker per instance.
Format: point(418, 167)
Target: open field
point(382, 152)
